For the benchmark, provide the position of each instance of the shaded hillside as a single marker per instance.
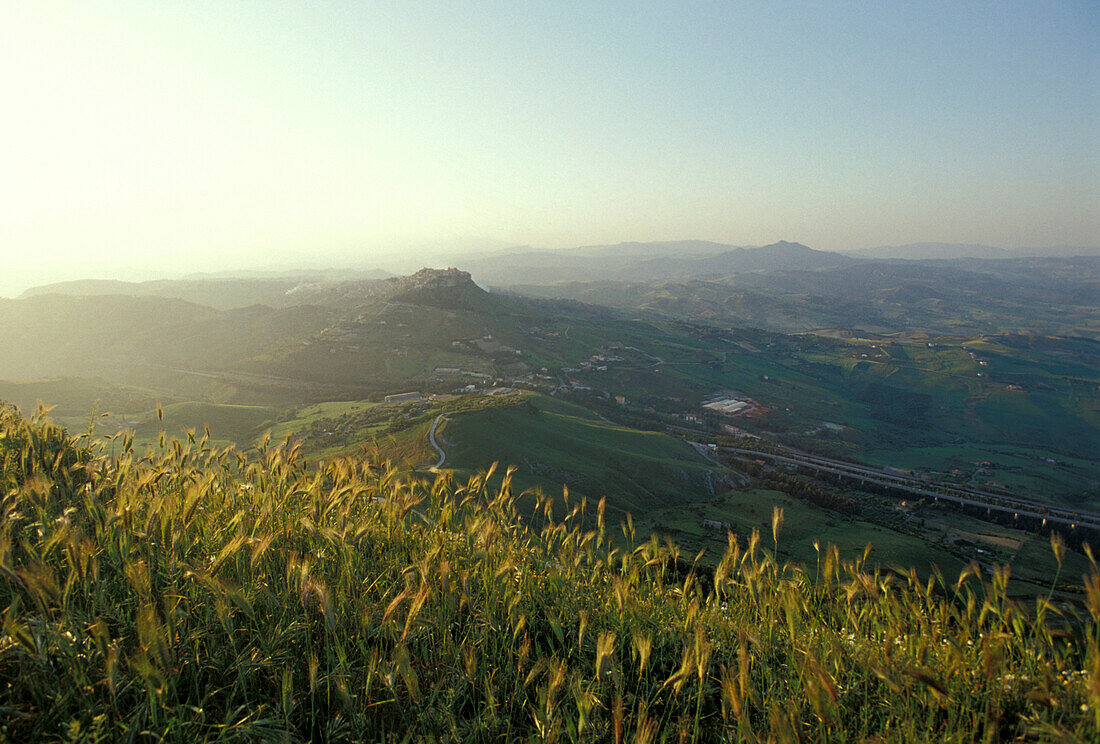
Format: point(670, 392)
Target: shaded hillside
point(364, 336)
point(74, 398)
point(555, 442)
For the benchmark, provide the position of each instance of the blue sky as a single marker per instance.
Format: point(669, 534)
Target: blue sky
point(155, 138)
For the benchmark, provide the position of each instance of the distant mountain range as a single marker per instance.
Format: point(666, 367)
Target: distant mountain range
point(937, 296)
point(934, 288)
point(523, 265)
point(646, 262)
point(219, 291)
point(662, 261)
point(925, 251)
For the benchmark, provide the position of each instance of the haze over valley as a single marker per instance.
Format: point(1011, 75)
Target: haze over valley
point(576, 372)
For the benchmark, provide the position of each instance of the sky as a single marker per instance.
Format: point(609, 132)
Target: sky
point(144, 139)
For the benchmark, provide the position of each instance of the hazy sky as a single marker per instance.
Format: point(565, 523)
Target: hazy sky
point(161, 137)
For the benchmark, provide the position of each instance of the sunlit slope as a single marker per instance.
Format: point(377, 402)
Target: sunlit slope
point(1028, 404)
point(194, 596)
point(554, 442)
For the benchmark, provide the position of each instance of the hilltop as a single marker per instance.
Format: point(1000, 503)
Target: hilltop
point(444, 288)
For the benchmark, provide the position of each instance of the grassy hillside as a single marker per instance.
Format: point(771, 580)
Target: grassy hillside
point(1026, 404)
point(1031, 412)
point(234, 424)
point(194, 595)
point(225, 292)
point(73, 399)
point(746, 510)
point(554, 442)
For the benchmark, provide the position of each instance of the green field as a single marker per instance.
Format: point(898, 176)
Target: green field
point(803, 525)
point(930, 404)
point(229, 423)
point(554, 442)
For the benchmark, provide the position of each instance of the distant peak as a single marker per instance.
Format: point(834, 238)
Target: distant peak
point(451, 288)
point(428, 272)
point(434, 279)
point(785, 245)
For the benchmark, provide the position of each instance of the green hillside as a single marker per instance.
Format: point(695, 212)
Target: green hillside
point(190, 595)
point(555, 442)
point(236, 424)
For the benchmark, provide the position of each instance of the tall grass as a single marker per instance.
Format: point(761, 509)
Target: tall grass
point(193, 594)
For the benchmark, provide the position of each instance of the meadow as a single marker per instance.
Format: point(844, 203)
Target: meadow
point(191, 593)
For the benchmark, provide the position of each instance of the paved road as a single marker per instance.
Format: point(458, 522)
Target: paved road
point(868, 475)
point(967, 491)
point(431, 439)
point(742, 479)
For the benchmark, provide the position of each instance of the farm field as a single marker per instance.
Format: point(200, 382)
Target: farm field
point(932, 541)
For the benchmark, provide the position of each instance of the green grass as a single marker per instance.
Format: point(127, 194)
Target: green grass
point(228, 423)
point(74, 399)
point(199, 595)
point(555, 442)
point(304, 417)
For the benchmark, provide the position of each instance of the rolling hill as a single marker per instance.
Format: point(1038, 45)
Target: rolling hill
point(964, 297)
point(1025, 403)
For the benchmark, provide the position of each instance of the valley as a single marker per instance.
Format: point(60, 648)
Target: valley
point(660, 414)
point(556, 373)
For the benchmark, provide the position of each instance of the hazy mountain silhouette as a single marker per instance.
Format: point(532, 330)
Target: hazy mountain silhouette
point(647, 262)
point(223, 292)
point(924, 251)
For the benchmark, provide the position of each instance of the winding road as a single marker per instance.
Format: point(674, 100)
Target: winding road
point(435, 444)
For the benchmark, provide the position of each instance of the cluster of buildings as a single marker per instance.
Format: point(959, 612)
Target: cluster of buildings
point(728, 405)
